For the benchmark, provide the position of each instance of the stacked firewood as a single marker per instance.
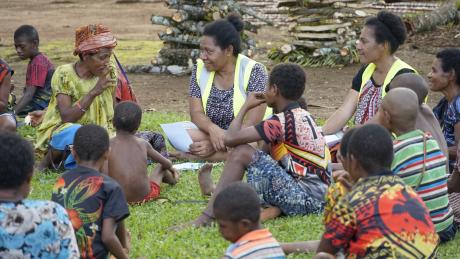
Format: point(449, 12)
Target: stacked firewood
point(267, 9)
point(181, 37)
point(325, 31)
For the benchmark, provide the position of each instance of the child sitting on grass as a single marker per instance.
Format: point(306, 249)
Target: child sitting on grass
point(37, 92)
point(29, 228)
point(418, 160)
point(95, 202)
point(129, 156)
point(380, 216)
point(295, 152)
point(237, 211)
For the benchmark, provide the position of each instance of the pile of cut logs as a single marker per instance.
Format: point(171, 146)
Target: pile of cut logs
point(181, 37)
point(325, 31)
point(267, 9)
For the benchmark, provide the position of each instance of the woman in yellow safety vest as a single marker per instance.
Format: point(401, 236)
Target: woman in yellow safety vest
point(220, 82)
point(377, 44)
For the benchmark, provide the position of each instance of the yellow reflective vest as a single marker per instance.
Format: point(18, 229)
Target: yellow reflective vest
point(397, 66)
point(243, 69)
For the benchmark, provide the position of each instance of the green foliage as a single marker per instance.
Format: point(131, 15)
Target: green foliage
point(148, 223)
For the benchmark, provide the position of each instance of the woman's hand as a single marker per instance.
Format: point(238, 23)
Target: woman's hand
point(217, 136)
point(254, 99)
point(36, 117)
point(103, 83)
point(203, 148)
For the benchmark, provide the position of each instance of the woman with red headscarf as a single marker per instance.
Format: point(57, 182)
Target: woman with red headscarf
point(82, 93)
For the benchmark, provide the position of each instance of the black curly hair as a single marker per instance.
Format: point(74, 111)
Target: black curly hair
point(91, 142)
point(236, 202)
point(388, 27)
point(127, 116)
point(16, 160)
point(226, 32)
point(372, 146)
point(27, 31)
point(290, 79)
point(450, 60)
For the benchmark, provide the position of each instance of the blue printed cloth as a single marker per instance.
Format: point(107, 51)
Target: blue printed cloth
point(61, 141)
point(36, 229)
point(276, 187)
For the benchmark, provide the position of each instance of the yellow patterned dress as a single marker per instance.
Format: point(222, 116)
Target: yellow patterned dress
point(66, 81)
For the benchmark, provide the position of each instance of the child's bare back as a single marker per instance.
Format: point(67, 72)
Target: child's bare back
point(128, 165)
point(129, 156)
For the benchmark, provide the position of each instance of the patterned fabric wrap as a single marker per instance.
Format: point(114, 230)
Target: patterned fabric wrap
point(277, 188)
point(297, 143)
point(90, 38)
point(368, 102)
point(156, 140)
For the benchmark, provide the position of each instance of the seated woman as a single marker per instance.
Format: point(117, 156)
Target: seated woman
point(82, 93)
point(219, 84)
point(445, 78)
point(7, 117)
point(29, 228)
point(377, 44)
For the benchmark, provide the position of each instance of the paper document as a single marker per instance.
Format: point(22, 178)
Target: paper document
point(177, 134)
point(188, 166)
point(333, 139)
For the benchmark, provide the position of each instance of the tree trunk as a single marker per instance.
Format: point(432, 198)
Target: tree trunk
point(443, 15)
point(161, 20)
point(192, 26)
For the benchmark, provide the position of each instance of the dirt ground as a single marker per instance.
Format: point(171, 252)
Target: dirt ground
point(57, 19)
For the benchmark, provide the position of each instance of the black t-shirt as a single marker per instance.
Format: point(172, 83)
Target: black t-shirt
point(89, 197)
point(357, 80)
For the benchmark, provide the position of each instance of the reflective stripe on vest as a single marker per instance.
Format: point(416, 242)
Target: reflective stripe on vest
point(243, 69)
point(397, 66)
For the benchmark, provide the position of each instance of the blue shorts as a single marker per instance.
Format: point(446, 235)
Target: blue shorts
point(62, 140)
point(276, 187)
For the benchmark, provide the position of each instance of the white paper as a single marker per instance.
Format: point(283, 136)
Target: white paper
point(177, 134)
point(333, 139)
point(188, 166)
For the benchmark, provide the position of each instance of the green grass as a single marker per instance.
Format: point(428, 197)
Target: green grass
point(129, 52)
point(148, 224)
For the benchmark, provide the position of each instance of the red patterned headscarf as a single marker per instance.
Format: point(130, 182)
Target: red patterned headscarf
point(90, 38)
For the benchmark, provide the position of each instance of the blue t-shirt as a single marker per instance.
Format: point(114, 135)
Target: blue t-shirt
point(448, 115)
point(36, 229)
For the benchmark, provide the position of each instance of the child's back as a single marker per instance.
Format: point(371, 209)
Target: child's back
point(89, 197)
point(127, 161)
point(128, 165)
point(95, 202)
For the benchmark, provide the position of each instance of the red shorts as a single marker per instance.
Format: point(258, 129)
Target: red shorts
point(152, 195)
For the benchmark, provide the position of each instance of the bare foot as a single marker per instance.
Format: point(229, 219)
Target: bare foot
point(269, 213)
point(202, 221)
point(205, 179)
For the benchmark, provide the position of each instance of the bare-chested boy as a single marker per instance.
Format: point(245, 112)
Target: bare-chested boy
point(129, 156)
